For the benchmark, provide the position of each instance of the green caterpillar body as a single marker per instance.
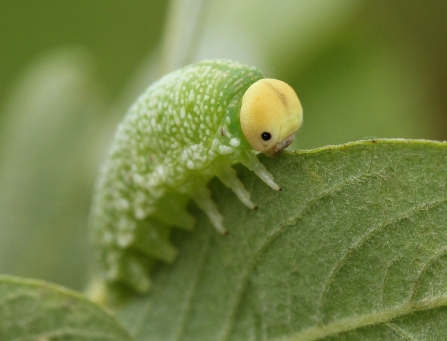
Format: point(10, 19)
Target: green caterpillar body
point(182, 131)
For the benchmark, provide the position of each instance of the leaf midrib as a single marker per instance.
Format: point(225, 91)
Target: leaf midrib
point(351, 323)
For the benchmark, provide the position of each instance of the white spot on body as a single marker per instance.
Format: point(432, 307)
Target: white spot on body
point(124, 239)
point(235, 142)
point(225, 149)
point(191, 96)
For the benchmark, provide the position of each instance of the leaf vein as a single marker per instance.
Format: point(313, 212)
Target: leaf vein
point(387, 272)
point(363, 239)
point(188, 303)
point(401, 332)
point(424, 269)
point(62, 332)
point(386, 315)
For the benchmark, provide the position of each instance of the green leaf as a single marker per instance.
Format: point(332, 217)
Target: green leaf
point(32, 310)
point(353, 248)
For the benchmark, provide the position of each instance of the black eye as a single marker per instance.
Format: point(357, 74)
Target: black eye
point(266, 136)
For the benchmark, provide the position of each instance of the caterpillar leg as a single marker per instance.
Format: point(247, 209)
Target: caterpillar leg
point(171, 210)
point(136, 276)
point(127, 268)
point(252, 163)
point(229, 177)
point(202, 197)
point(152, 239)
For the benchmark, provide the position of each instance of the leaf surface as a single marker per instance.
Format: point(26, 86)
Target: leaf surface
point(353, 247)
point(32, 310)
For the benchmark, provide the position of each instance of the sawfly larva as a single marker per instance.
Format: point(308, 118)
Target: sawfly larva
point(191, 125)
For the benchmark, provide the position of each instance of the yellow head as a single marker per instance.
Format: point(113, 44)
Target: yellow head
point(271, 114)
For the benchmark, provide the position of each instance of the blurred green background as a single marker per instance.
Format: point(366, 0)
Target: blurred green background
point(69, 70)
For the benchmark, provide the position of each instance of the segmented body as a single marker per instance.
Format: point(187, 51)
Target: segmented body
point(182, 131)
